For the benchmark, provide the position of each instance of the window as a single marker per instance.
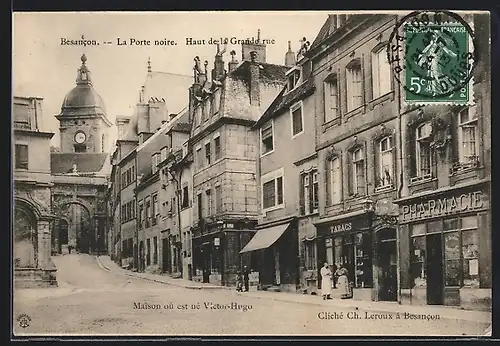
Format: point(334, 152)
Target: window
point(185, 197)
point(141, 214)
point(470, 252)
point(310, 255)
point(216, 100)
point(381, 73)
point(200, 206)
point(22, 116)
point(468, 144)
point(199, 158)
point(148, 253)
point(154, 163)
point(218, 199)
point(293, 79)
point(309, 201)
point(207, 108)
point(22, 156)
point(423, 150)
point(384, 163)
point(80, 148)
point(354, 86)
point(335, 180)
point(163, 154)
point(297, 121)
point(208, 153)
point(217, 148)
point(155, 250)
point(358, 165)
point(148, 213)
point(418, 262)
point(267, 138)
point(155, 210)
point(331, 94)
point(272, 189)
point(209, 202)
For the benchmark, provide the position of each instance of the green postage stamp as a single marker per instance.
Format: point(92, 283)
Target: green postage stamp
point(439, 59)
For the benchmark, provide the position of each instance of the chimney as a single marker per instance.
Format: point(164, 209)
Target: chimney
point(290, 56)
point(233, 63)
point(253, 45)
point(121, 124)
point(218, 71)
point(254, 79)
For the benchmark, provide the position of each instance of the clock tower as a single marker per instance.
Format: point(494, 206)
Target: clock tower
point(84, 125)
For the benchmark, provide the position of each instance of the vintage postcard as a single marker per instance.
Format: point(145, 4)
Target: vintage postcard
point(251, 173)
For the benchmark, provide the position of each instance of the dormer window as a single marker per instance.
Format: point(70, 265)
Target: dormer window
point(293, 79)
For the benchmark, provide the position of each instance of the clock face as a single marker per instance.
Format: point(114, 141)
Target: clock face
point(80, 137)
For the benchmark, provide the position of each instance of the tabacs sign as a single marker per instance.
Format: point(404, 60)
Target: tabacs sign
point(343, 227)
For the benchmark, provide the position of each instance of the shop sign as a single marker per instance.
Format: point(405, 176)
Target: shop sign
point(463, 202)
point(343, 227)
point(216, 241)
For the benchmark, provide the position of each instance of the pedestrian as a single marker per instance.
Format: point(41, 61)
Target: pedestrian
point(326, 281)
point(246, 280)
point(343, 283)
point(239, 282)
point(70, 248)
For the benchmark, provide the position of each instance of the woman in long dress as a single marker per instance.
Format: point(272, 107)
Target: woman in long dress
point(326, 281)
point(343, 283)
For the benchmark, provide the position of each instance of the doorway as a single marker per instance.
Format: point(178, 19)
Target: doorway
point(388, 279)
point(435, 285)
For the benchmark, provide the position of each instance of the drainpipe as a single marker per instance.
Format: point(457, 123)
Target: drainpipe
point(399, 143)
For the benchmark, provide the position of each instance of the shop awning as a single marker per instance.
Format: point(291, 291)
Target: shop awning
point(264, 238)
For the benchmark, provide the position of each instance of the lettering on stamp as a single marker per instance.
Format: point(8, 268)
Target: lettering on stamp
point(433, 55)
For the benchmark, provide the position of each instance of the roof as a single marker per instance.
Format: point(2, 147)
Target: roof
point(169, 86)
point(325, 31)
point(268, 72)
point(285, 100)
point(61, 163)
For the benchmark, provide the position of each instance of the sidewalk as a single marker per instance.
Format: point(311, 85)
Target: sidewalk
point(107, 264)
point(346, 305)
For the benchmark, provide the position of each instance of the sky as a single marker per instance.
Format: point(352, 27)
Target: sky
point(44, 67)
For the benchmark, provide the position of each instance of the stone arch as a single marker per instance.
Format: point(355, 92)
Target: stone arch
point(25, 233)
point(80, 231)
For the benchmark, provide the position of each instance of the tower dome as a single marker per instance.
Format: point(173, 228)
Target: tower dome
point(82, 99)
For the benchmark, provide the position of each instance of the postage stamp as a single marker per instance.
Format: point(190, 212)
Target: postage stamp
point(433, 56)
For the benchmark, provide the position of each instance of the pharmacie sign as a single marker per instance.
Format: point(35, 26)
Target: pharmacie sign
point(458, 203)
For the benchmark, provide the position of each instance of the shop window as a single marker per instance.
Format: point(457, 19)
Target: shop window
point(331, 98)
point(470, 252)
point(381, 72)
point(267, 138)
point(310, 255)
point(309, 195)
point(417, 261)
point(452, 259)
point(354, 85)
point(423, 151)
point(335, 180)
point(468, 143)
point(384, 157)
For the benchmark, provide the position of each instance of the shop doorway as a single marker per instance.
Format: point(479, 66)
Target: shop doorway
point(388, 279)
point(435, 289)
point(165, 255)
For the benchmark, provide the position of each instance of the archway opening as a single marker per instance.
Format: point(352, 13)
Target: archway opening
point(25, 238)
point(75, 228)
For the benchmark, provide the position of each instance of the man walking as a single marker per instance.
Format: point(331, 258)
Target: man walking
point(246, 280)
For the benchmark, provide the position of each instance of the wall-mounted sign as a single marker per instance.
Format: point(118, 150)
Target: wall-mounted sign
point(216, 241)
point(461, 202)
point(343, 227)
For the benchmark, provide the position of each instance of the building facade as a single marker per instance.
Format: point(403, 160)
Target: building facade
point(225, 200)
point(445, 206)
point(357, 147)
point(33, 219)
point(287, 183)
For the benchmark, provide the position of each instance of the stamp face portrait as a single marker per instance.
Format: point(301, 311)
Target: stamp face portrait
point(435, 55)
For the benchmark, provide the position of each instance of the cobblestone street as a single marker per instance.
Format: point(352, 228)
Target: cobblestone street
point(93, 301)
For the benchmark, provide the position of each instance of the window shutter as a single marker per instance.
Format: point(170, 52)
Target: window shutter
point(363, 81)
point(301, 195)
point(326, 181)
point(411, 152)
point(350, 172)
